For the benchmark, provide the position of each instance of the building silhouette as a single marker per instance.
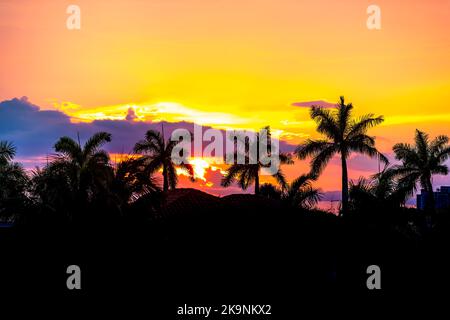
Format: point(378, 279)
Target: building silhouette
point(441, 198)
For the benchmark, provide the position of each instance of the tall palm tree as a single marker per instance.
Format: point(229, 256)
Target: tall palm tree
point(420, 162)
point(343, 135)
point(158, 154)
point(248, 173)
point(82, 172)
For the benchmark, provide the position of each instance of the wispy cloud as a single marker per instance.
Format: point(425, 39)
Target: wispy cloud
point(308, 104)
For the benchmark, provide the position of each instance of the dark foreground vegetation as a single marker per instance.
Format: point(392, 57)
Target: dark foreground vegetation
point(236, 249)
point(133, 238)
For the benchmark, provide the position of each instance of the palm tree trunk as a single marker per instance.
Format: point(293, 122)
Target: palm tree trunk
point(344, 185)
point(257, 183)
point(165, 179)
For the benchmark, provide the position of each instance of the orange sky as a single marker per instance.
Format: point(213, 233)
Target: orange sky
point(233, 63)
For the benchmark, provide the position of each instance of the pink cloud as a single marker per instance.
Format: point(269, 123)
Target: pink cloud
point(308, 104)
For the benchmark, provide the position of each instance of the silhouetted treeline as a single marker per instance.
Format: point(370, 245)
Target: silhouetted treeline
point(116, 219)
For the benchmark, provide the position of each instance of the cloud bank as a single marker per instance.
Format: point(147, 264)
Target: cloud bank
point(35, 131)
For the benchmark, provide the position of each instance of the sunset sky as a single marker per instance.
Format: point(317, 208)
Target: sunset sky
point(224, 64)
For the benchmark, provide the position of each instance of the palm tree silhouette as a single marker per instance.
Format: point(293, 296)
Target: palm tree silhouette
point(344, 135)
point(270, 191)
point(248, 173)
point(379, 192)
point(420, 162)
point(7, 152)
point(158, 154)
point(298, 194)
point(83, 171)
point(13, 182)
point(301, 194)
point(132, 182)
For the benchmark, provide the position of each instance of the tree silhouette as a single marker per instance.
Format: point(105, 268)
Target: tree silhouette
point(343, 135)
point(157, 154)
point(13, 183)
point(268, 190)
point(379, 192)
point(7, 152)
point(248, 172)
point(301, 194)
point(76, 174)
point(298, 194)
point(420, 162)
point(132, 183)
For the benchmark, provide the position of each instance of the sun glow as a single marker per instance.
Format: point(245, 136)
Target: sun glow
point(200, 166)
point(282, 122)
point(167, 111)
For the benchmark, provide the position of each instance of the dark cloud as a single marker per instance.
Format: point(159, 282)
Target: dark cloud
point(35, 131)
point(32, 130)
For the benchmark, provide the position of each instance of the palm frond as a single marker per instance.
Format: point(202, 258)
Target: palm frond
point(308, 198)
point(232, 172)
point(281, 179)
point(344, 112)
point(153, 136)
point(443, 155)
point(406, 153)
point(326, 123)
point(369, 151)
point(68, 147)
point(311, 148)
point(363, 124)
point(144, 146)
point(439, 143)
point(95, 142)
point(319, 162)
point(7, 152)
point(285, 158)
point(440, 169)
point(422, 140)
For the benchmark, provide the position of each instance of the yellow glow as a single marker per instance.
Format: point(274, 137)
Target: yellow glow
point(119, 157)
point(200, 166)
point(167, 111)
point(412, 119)
point(282, 122)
